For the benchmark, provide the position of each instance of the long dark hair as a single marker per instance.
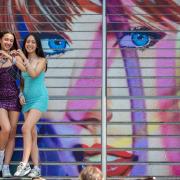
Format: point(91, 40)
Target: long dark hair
point(39, 50)
point(15, 46)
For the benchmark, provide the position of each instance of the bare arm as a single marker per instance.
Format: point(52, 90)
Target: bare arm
point(17, 60)
point(19, 63)
point(5, 55)
point(34, 72)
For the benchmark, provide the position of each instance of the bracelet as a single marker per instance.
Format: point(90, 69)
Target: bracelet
point(26, 64)
point(13, 60)
point(20, 94)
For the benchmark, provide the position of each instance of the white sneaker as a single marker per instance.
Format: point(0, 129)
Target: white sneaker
point(35, 172)
point(6, 172)
point(22, 169)
point(1, 160)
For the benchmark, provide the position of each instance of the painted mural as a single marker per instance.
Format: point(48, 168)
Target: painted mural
point(142, 83)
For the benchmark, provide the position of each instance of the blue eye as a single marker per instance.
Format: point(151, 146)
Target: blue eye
point(138, 39)
point(57, 43)
point(54, 44)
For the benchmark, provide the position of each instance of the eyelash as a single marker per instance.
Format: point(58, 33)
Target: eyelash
point(140, 37)
point(51, 46)
point(8, 39)
point(54, 45)
point(31, 42)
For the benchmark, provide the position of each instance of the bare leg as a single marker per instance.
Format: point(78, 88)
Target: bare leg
point(28, 126)
point(5, 128)
point(35, 150)
point(13, 118)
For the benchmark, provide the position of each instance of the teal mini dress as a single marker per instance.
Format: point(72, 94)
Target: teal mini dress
point(35, 92)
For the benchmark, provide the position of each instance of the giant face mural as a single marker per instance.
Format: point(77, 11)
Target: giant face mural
point(142, 88)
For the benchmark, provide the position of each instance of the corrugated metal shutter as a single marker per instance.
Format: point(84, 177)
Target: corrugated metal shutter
point(143, 84)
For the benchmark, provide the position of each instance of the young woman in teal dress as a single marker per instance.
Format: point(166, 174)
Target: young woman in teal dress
point(34, 100)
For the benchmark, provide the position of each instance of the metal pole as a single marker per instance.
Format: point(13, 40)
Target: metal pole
point(104, 98)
